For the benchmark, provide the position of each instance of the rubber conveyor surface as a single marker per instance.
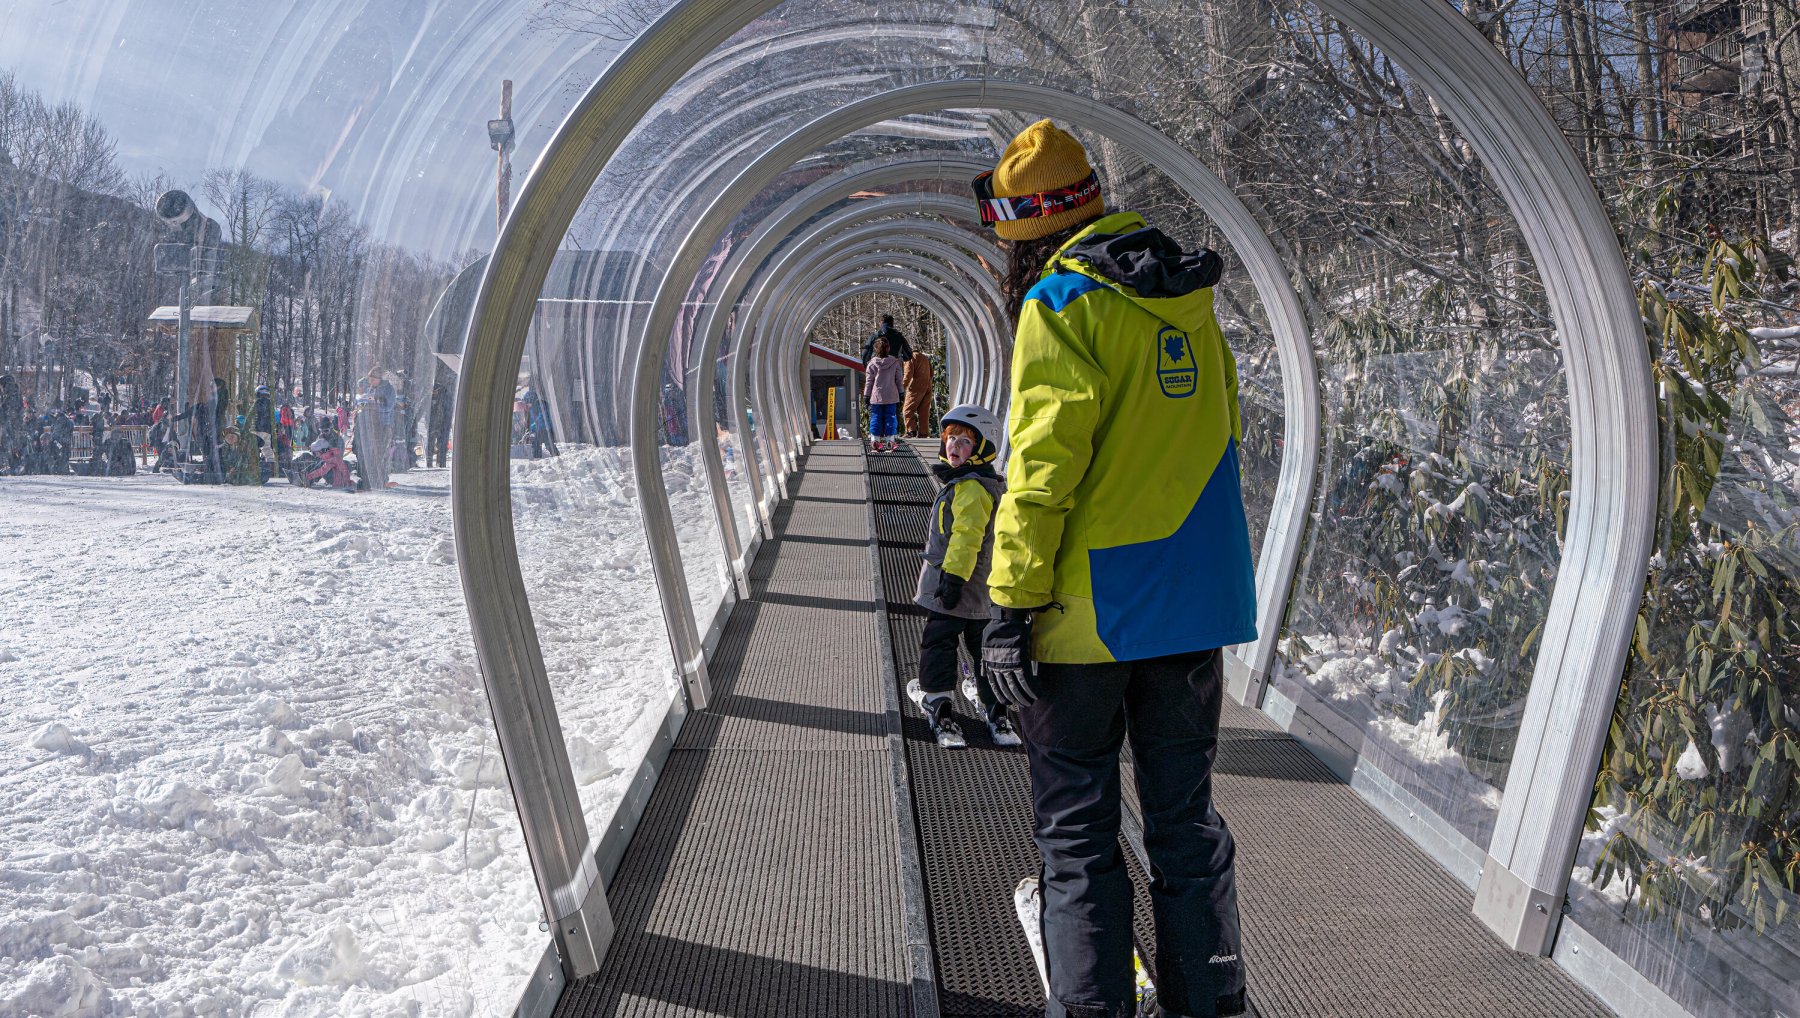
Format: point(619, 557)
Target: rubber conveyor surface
point(1343, 917)
point(763, 878)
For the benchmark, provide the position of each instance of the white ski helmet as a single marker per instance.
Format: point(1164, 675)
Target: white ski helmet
point(983, 421)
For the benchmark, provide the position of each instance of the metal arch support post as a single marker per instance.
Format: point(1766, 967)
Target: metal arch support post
point(821, 305)
point(730, 282)
point(882, 234)
point(755, 315)
point(864, 278)
point(770, 358)
point(767, 356)
point(751, 317)
point(808, 255)
point(1612, 480)
point(871, 281)
point(873, 236)
point(524, 712)
point(874, 265)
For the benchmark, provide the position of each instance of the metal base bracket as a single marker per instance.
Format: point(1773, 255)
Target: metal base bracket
point(698, 684)
point(583, 936)
point(1523, 917)
point(1242, 682)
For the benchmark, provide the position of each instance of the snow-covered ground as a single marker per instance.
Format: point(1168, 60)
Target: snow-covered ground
point(246, 761)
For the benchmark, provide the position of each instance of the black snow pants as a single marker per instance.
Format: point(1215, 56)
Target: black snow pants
point(937, 654)
point(1169, 708)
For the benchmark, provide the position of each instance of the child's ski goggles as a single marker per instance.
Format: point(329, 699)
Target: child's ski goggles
point(1032, 206)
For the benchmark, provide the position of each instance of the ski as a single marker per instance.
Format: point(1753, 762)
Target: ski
point(1028, 905)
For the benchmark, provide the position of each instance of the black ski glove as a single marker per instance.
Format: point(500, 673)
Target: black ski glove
point(949, 589)
point(1006, 654)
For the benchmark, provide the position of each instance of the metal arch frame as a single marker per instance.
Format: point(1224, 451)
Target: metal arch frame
point(872, 278)
point(712, 328)
point(935, 282)
point(772, 393)
point(868, 277)
point(761, 314)
point(774, 365)
point(769, 244)
point(779, 392)
point(977, 319)
point(1613, 469)
point(800, 256)
point(780, 263)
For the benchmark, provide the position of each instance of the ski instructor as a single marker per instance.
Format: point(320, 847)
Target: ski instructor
point(1121, 568)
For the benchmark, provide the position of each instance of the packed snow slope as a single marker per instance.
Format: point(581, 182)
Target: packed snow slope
point(246, 760)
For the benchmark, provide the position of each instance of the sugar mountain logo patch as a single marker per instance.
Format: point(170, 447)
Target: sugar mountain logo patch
point(1175, 368)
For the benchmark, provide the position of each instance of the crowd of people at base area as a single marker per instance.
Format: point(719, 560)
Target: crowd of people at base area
point(308, 445)
point(1096, 584)
point(34, 441)
point(895, 374)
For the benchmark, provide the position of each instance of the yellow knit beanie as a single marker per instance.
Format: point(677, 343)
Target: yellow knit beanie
point(1043, 157)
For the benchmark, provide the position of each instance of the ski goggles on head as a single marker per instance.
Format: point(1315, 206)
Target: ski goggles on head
point(1032, 206)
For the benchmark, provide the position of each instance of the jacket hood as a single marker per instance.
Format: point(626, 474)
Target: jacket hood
point(1146, 266)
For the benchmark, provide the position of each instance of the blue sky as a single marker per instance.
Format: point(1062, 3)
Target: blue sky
point(381, 103)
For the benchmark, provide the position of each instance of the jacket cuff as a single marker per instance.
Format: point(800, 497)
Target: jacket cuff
point(1013, 597)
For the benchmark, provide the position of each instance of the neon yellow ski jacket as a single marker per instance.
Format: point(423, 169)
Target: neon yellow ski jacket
point(1123, 502)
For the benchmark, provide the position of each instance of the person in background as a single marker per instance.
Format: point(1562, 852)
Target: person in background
point(437, 429)
point(896, 341)
point(881, 389)
point(409, 434)
point(375, 430)
point(917, 382)
point(1121, 569)
point(262, 412)
point(61, 430)
point(96, 421)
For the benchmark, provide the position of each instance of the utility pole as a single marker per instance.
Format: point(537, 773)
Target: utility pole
point(500, 138)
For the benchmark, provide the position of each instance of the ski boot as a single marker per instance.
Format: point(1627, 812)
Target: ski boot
point(1000, 727)
point(936, 709)
point(999, 723)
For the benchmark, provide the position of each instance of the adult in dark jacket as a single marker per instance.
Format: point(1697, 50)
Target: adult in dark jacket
point(262, 412)
point(896, 341)
point(437, 431)
point(61, 428)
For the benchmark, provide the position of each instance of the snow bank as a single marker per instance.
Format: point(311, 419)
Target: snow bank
point(246, 759)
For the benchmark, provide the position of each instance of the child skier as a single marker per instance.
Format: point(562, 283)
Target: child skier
point(953, 581)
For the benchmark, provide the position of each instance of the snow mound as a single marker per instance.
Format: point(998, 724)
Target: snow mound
point(442, 551)
point(58, 985)
point(173, 802)
point(331, 957)
point(56, 738)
